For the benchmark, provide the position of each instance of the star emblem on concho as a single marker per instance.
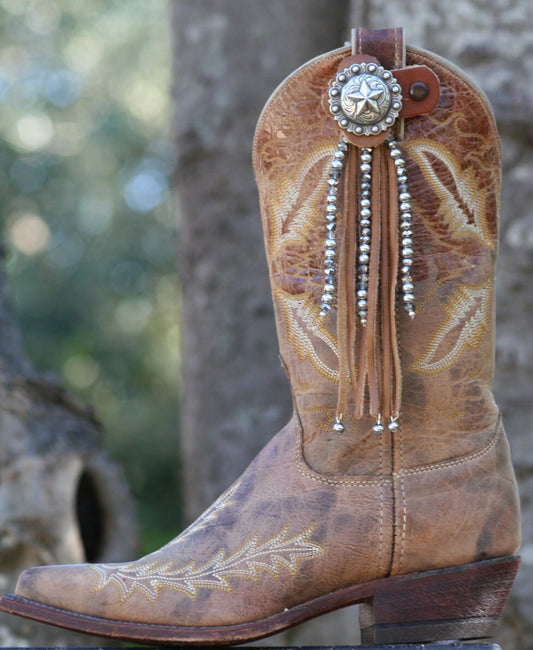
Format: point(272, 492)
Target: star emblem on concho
point(365, 99)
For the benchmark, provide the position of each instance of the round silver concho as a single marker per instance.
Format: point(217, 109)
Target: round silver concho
point(365, 99)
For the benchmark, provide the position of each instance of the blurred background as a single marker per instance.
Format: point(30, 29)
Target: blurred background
point(85, 167)
point(105, 105)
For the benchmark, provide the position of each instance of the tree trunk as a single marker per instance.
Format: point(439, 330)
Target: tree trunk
point(61, 499)
point(228, 58)
point(491, 41)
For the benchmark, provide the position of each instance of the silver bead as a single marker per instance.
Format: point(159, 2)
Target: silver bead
point(408, 298)
point(378, 428)
point(330, 253)
point(362, 293)
point(327, 298)
point(408, 287)
point(393, 426)
point(404, 196)
point(329, 288)
point(405, 206)
point(338, 427)
point(331, 243)
point(364, 248)
point(364, 258)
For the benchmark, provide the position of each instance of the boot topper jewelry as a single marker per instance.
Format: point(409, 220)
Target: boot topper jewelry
point(368, 190)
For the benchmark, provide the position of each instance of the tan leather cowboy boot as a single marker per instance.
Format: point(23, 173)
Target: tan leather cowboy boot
point(391, 486)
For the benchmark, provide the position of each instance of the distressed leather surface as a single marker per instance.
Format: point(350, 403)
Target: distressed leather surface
point(317, 511)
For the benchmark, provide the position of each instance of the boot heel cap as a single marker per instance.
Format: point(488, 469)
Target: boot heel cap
point(463, 602)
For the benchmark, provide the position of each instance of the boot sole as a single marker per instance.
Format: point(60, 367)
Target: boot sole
point(462, 603)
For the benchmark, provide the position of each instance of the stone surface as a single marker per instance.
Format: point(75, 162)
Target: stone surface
point(62, 500)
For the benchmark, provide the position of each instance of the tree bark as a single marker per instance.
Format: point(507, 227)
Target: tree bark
point(228, 57)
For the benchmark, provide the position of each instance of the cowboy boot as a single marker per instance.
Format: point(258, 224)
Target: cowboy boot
point(391, 486)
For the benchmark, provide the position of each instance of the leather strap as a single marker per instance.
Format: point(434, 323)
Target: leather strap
point(386, 45)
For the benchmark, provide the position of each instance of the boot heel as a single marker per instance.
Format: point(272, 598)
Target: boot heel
point(464, 602)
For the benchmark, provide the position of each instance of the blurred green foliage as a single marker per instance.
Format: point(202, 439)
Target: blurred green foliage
point(85, 167)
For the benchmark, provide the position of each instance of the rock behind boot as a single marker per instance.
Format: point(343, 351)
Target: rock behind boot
point(392, 484)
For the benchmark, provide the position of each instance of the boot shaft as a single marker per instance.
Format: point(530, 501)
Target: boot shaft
point(444, 361)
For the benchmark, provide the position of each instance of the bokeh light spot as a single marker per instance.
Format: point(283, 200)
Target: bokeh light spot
point(133, 314)
point(145, 190)
point(81, 371)
point(63, 88)
point(34, 131)
point(29, 233)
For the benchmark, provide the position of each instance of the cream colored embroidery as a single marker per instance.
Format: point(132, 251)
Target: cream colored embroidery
point(292, 225)
point(224, 501)
point(302, 318)
point(462, 203)
point(286, 204)
point(149, 576)
point(466, 324)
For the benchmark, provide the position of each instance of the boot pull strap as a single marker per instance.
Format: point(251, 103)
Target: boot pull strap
point(386, 45)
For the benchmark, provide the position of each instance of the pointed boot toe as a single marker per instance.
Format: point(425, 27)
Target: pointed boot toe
point(63, 587)
point(392, 484)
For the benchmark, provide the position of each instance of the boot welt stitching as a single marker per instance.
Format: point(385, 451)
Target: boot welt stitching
point(341, 481)
point(488, 446)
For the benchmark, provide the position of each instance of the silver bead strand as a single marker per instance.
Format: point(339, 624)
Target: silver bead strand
point(330, 254)
point(365, 213)
point(404, 200)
